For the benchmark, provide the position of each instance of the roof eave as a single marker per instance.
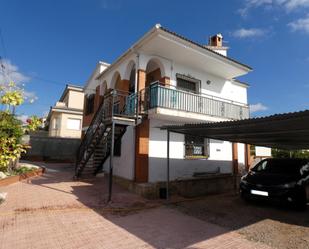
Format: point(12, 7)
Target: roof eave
point(159, 28)
point(210, 51)
point(133, 48)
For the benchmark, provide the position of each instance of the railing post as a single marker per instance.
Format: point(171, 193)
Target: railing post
point(111, 156)
point(111, 163)
point(136, 102)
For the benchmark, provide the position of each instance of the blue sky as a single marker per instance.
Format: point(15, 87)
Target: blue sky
point(48, 44)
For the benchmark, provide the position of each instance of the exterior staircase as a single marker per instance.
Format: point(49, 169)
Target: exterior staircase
point(107, 127)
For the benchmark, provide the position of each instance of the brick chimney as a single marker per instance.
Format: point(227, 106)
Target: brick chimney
point(216, 40)
point(215, 43)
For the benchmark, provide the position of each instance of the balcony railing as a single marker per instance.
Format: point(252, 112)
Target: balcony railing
point(159, 96)
point(120, 103)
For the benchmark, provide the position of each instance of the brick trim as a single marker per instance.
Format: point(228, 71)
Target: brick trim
point(13, 179)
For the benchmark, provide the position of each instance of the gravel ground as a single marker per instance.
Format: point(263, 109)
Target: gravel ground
point(277, 226)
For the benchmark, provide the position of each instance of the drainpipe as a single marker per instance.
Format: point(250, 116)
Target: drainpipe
point(168, 165)
point(136, 86)
point(136, 112)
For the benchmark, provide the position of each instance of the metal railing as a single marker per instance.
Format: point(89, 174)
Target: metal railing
point(115, 103)
point(158, 95)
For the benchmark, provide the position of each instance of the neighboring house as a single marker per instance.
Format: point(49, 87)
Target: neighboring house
point(65, 118)
point(164, 78)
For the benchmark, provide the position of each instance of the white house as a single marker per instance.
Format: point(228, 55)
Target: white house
point(164, 78)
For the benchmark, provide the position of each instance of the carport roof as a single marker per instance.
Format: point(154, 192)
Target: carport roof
point(285, 131)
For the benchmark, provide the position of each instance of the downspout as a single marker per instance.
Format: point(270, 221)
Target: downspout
point(136, 86)
point(136, 113)
point(168, 166)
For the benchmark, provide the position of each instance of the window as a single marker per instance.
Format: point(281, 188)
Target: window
point(187, 83)
point(73, 124)
point(196, 147)
point(117, 147)
point(89, 104)
point(56, 124)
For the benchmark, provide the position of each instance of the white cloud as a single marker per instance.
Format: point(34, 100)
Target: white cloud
point(45, 114)
point(288, 5)
point(12, 73)
point(30, 96)
point(294, 4)
point(250, 4)
point(258, 107)
point(23, 118)
point(301, 24)
point(111, 4)
point(247, 33)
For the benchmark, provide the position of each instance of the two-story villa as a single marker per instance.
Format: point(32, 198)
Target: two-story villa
point(164, 78)
point(65, 117)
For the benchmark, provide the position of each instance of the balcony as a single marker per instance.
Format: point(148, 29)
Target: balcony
point(172, 101)
point(160, 96)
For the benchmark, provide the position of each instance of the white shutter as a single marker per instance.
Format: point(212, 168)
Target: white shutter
point(73, 124)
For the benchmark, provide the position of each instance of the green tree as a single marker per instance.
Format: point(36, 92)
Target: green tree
point(11, 129)
point(278, 153)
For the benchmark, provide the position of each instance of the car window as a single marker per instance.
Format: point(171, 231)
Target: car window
point(304, 170)
point(261, 166)
point(281, 166)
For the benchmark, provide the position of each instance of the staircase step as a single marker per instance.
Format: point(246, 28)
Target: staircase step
point(97, 150)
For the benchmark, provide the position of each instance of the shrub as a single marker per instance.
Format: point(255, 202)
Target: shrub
point(290, 153)
point(11, 129)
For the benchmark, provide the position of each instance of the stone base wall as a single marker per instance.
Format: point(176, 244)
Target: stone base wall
point(192, 187)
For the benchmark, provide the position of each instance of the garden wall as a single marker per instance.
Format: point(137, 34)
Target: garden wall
point(52, 149)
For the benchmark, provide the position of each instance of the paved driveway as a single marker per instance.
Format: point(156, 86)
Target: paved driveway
point(278, 226)
point(52, 211)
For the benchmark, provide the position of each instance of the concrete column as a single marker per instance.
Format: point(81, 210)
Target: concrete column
point(165, 80)
point(235, 158)
point(141, 79)
point(141, 138)
point(247, 157)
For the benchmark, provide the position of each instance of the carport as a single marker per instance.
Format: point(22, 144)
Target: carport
point(283, 131)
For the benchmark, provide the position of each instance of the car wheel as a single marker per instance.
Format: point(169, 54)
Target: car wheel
point(244, 197)
point(300, 200)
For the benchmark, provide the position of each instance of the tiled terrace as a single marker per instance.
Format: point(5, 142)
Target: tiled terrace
point(53, 211)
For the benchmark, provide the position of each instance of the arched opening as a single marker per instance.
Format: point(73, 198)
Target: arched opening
point(116, 82)
point(121, 93)
point(130, 76)
point(132, 80)
point(154, 72)
point(103, 91)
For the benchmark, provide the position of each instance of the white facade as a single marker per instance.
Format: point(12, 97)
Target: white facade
point(173, 56)
point(220, 159)
point(124, 165)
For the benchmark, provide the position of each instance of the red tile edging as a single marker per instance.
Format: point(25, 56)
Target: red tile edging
point(13, 179)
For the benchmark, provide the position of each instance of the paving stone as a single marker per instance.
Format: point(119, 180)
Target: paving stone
point(52, 211)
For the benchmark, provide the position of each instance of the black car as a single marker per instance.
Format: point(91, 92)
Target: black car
point(278, 179)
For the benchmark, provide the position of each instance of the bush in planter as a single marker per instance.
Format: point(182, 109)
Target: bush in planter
point(23, 170)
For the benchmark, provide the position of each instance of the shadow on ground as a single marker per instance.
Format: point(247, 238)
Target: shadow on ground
point(278, 227)
point(274, 224)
